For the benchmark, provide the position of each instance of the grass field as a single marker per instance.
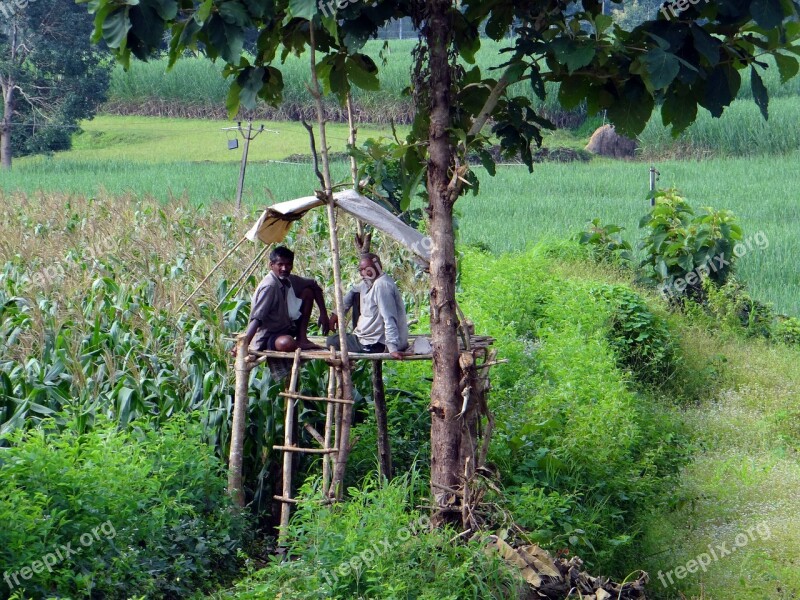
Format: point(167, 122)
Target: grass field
point(166, 158)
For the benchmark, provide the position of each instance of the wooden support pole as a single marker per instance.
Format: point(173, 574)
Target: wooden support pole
point(379, 397)
point(343, 442)
point(328, 435)
point(288, 436)
point(239, 425)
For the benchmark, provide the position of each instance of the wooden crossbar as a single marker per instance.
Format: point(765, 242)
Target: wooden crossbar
point(297, 396)
point(306, 450)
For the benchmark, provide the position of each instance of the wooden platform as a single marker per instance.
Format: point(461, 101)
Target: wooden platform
point(476, 342)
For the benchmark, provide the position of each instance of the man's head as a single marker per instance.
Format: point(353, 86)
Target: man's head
point(369, 267)
point(281, 261)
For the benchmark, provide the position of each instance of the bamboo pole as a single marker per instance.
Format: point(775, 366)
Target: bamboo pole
point(329, 414)
point(362, 241)
point(239, 425)
point(245, 274)
point(347, 382)
point(214, 270)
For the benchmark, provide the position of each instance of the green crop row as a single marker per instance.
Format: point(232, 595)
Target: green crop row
point(197, 85)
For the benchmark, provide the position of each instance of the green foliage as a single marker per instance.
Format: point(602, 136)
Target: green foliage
point(681, 248)
point(605, 242)
point(788, 330)
point(54, 76)
point(641, 339)
point(731, 305)
point(376, 545)
point(568, 422)
point(145, 511)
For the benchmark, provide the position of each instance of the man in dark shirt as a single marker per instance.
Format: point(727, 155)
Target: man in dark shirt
point(281, 307)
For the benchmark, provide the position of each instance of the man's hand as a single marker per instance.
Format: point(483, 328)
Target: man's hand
point(333, 322)
point(397, 355)
point(324, 323)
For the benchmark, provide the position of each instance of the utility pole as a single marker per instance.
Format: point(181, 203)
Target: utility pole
point(248, 137)
point(653, 178)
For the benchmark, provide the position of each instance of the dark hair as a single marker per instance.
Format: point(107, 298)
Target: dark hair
point(281, 252)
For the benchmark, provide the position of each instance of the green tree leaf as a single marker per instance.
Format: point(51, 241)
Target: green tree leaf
point(303, 9)
point(234, 13)
point(767, 13)
point(363, 72)
point(787, 66)
point(116, 27)
point(662, 67)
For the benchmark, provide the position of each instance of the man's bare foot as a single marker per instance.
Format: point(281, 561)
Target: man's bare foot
point(308, 345)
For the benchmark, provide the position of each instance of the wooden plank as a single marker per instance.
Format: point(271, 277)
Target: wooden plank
point(297, 396)
point(289, 449)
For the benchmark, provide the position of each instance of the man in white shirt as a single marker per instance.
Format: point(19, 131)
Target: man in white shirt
point(382, 325)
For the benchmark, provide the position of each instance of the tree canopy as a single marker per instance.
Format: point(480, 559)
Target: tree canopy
point(51, 75)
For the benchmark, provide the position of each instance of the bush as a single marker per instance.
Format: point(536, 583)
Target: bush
point(376, 545)
point(641, 339)
point(145, 512)
point(606, 243)
point(731, 305)
point(787, 330)
point(682, 249)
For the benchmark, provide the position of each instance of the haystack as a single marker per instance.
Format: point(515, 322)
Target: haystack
point(605, 141)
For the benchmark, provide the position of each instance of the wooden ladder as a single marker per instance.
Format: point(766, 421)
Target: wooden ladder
point(329, 442)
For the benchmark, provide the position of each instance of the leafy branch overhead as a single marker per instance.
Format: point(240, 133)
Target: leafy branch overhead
point(677, 65)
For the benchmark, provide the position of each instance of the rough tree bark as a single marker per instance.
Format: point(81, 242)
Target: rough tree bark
point(445, 393)
point(8, 87)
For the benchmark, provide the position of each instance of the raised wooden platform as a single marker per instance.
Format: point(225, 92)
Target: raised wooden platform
point(476, 342)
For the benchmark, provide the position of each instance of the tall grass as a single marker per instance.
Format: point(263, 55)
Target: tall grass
point(195, 86)
point(515, 209)
point(741, 131)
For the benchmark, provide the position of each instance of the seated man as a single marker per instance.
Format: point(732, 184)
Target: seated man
point(281, 307)
point(382, 324)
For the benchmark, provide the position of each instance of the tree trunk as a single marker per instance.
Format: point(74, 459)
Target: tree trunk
point(5, 125)
point(445, 393)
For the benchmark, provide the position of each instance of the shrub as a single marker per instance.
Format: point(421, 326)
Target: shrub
point(606, 243)
point(641, 339)
point(682, 249)
point(376, 545)
point(146, 512)
point(787, 330)
point(731, 305)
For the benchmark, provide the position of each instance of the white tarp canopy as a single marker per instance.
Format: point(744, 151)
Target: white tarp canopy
point(274, 223)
